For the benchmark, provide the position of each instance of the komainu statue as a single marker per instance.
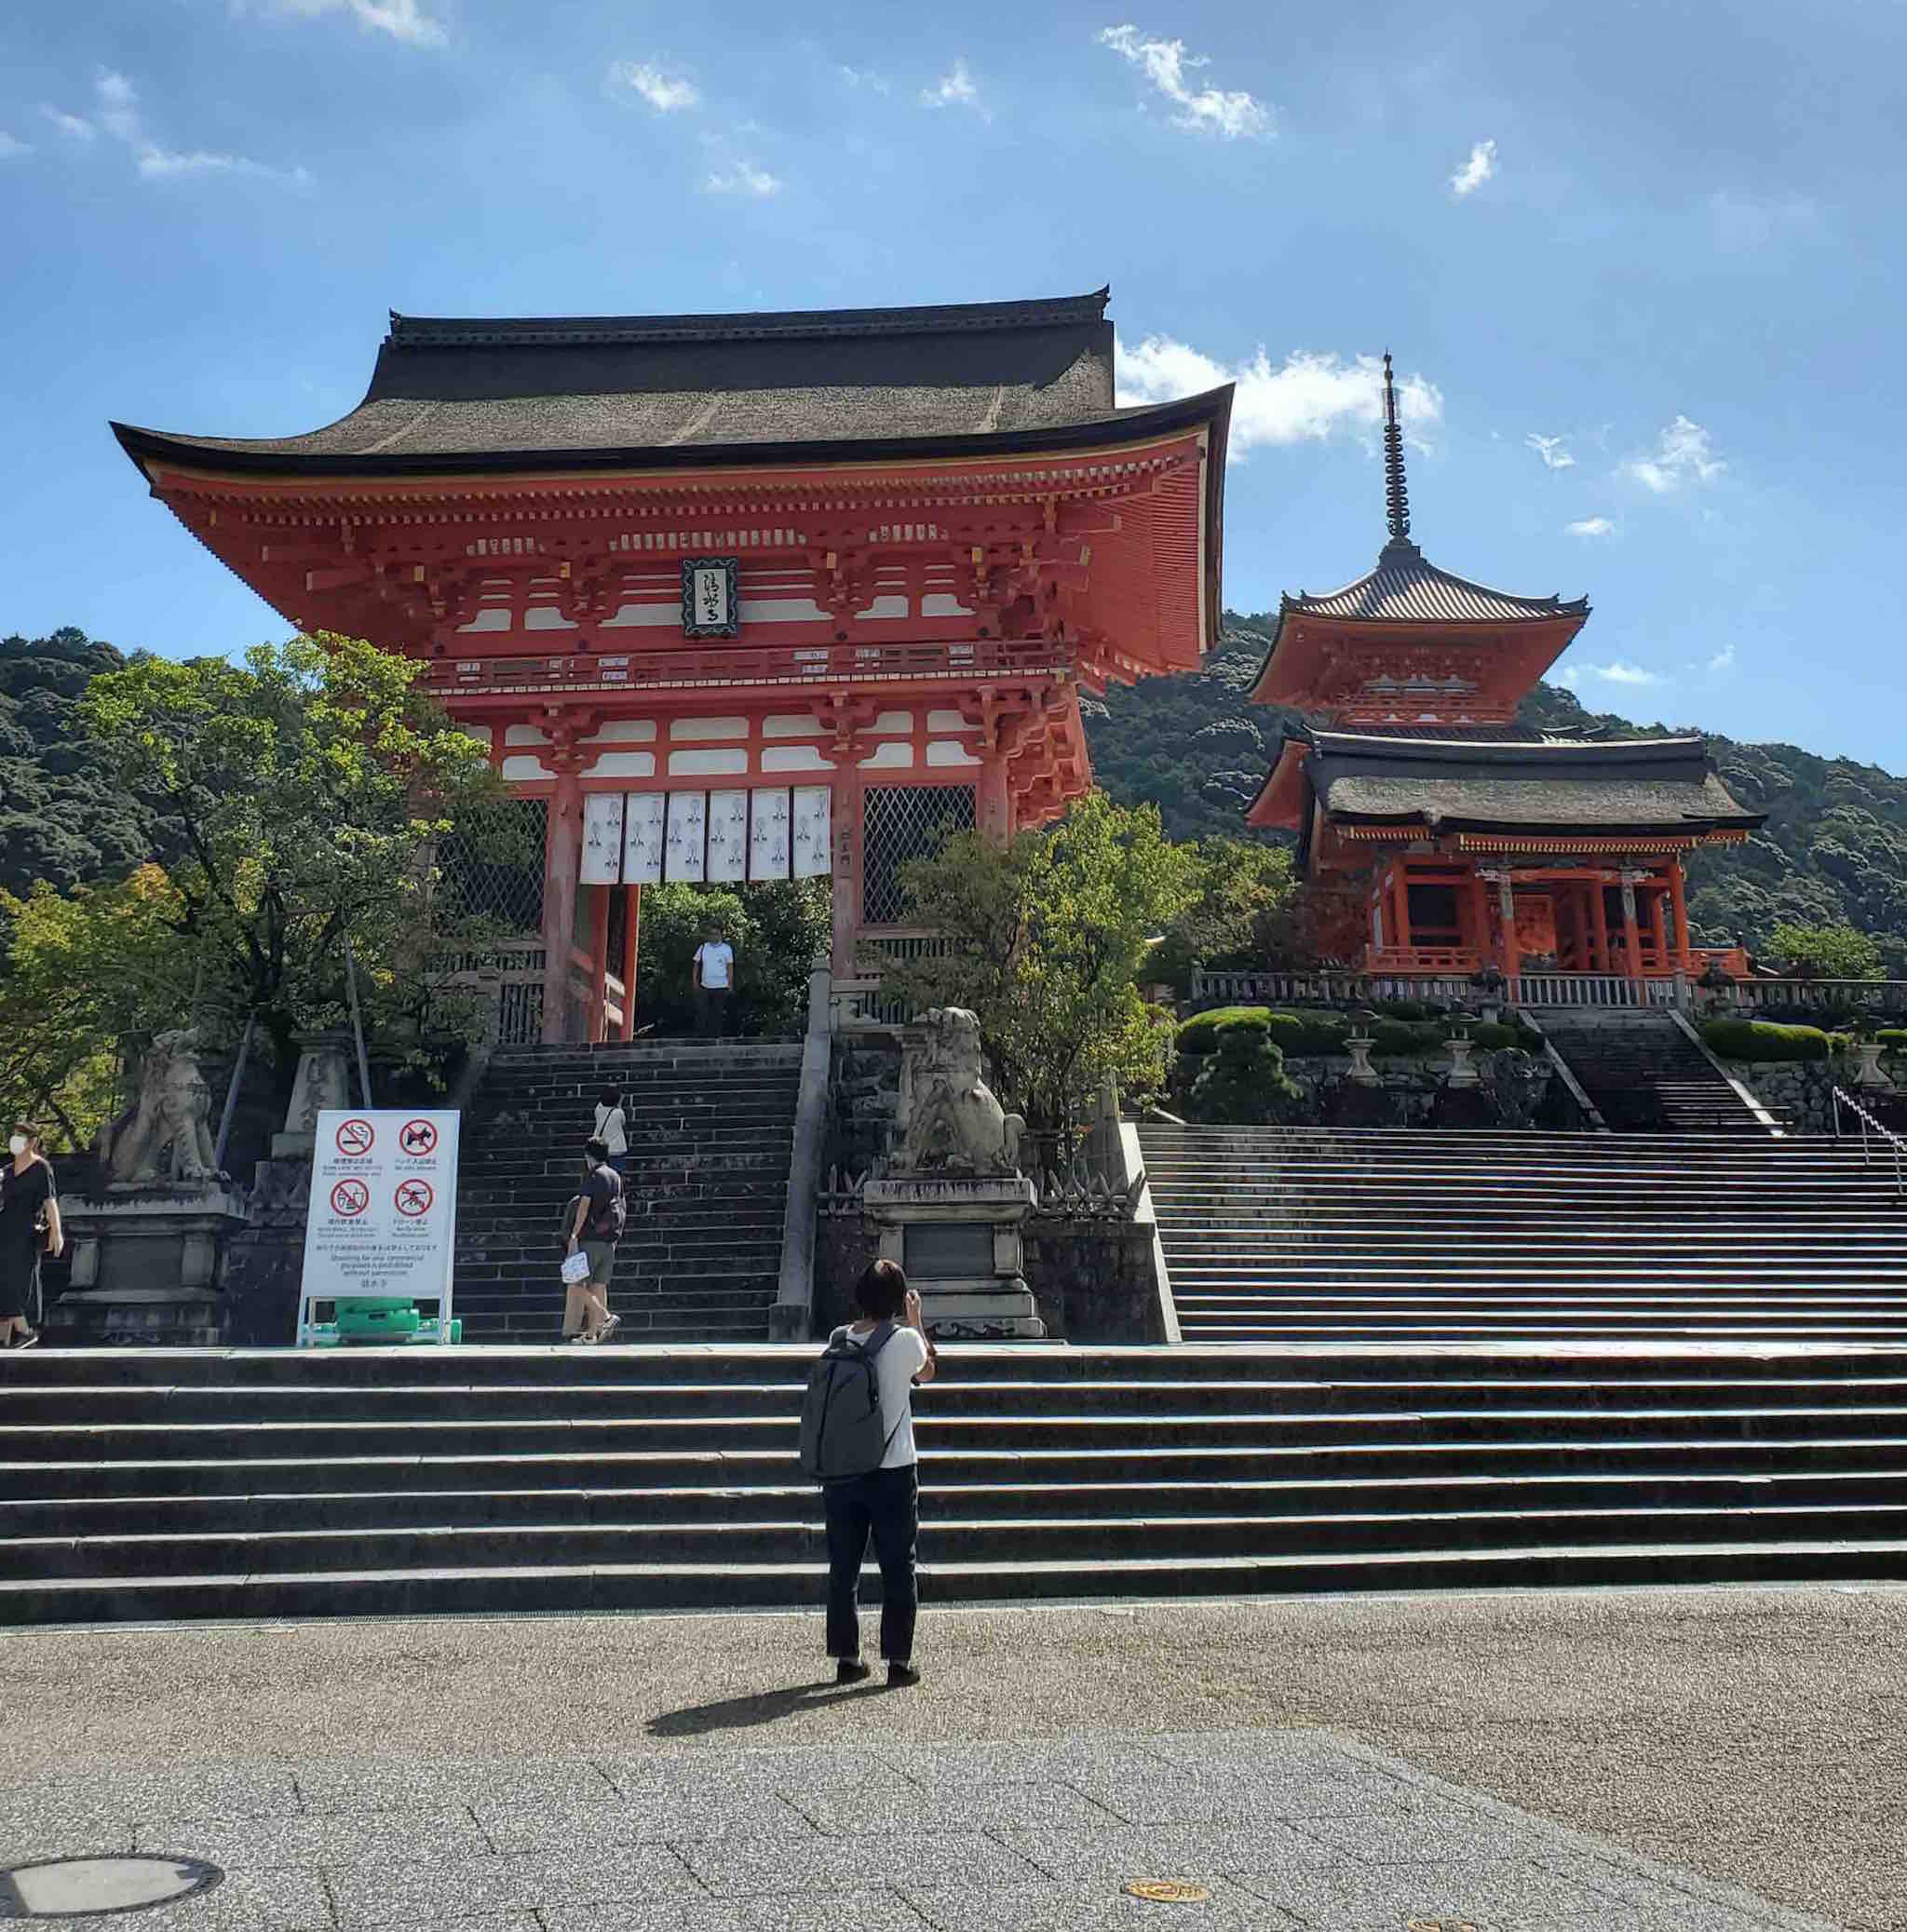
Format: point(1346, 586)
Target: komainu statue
point(163, 1136)
point(951, 1121)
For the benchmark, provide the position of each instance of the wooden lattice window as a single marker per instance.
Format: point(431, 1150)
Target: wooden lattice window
point(901, 823)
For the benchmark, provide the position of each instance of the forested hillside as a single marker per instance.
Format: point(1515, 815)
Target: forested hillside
point(1835, 847)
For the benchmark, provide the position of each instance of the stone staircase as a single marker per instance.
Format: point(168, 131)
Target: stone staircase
point(1276, 1234)
point(158, 1484)
point(710, 1131)
point(1646, 1075)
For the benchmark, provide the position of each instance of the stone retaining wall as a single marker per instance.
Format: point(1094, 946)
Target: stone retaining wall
point(1800, 1093)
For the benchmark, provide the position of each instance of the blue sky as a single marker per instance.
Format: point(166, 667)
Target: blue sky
point(1640, 266)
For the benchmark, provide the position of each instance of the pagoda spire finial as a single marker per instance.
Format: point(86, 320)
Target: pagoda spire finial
point(1397, 502)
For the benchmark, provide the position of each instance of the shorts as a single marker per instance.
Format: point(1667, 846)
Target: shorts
point(602, 1256)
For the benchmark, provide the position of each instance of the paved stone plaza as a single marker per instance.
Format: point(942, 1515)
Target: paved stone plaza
point(1674, 1760)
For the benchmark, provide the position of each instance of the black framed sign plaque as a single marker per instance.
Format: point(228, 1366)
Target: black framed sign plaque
point(711, 597)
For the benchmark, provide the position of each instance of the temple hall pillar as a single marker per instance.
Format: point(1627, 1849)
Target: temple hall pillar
point(632, 934)
point(1631, 936)
point(1511, 961)
point(1479, 917)
point(562, 864)
point(993, 804)
point(1400, 887)
point(1599, 926)
point(1679, 907)
point(598, 963)
point(846, 806)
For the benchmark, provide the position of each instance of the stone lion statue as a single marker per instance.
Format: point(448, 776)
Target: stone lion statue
point(952, 1123)
point(163, 1136)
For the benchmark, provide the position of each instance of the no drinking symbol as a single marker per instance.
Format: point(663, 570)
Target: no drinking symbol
point(413, 1198)
point(350, 1198)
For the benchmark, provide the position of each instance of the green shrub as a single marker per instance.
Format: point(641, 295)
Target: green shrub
point(1314, 1031)
point(1758, 1039)
point(1243, 1082)
point(1310, 1033)
point(1893, 1038)
point(1199, 1033)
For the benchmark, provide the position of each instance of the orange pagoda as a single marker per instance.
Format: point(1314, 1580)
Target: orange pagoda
point(738, 598)
point(1437, 837)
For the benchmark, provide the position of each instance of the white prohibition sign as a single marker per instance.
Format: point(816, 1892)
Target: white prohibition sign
point(350, 1198)
point(418, 1139)
point(355, 1137)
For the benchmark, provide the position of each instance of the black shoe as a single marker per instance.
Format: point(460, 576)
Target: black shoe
point(901, 1677)
point(852, 1671)
point(28, 1340)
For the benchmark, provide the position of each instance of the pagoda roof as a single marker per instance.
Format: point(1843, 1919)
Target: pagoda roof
point(1663, 787)
point(1407, 588)
point(660, 391)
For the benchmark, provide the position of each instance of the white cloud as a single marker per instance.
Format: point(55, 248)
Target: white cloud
point(1476, 170)
point(1617, 673)
point(956, 90)
point(1307, 397)
point(1233, 115)
point(1550, 448)
point(117, 110)
point(74, 126)
point(867, 77)
point(743, 178)
point(1683, 454)
point(1592, 526)
point(1723, 659)
point(1744, 224)
point(11, 144)
point(402, 20)
point(667, 93)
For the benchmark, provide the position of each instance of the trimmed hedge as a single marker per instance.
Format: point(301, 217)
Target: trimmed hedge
point(1894, 1038)
point(1761, 1039)
point(1316, 1032)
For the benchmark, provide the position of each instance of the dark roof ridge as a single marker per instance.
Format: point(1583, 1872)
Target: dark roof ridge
point(476, 331)
point(1401, 555)
point(1329, 743)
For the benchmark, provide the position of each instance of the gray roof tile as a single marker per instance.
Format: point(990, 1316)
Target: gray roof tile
point(1405, 589)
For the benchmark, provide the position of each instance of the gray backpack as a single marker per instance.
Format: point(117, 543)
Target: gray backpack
point(842, 1431)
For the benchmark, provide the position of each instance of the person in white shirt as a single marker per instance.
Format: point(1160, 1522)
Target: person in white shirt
point(612, 1128)
point(887, 1501)
point(714, 979)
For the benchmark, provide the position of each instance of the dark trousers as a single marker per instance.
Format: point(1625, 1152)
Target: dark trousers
point(711, 1011)
point(887, 1503)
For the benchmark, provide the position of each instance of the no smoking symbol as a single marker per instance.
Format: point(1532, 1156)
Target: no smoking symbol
point(350, 1198)
point(355, 1137)
point(414, 1197)
point(418, 1138)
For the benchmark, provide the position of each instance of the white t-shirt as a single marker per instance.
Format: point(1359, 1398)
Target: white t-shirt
point(717, 961)
point(610, 1129)
point(895, 1367)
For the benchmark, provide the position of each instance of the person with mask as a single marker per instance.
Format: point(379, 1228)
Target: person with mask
point(29, 1227)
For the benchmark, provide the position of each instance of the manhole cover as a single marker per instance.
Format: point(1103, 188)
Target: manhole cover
point(64, 1888)
point(1440, 1926)
point(1168, 1891)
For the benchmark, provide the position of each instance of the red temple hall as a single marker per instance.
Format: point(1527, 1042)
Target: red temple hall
point(737, 597)
point(1446, 839)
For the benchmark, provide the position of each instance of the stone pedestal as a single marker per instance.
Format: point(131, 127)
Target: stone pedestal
point(1359, 1047)
point(959, 1237)
point(323, 1080)
point(1867, 1067)
point(148, 1266)
point(1462, 1074)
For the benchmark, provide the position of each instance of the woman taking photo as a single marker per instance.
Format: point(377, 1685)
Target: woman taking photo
point(29, 1227)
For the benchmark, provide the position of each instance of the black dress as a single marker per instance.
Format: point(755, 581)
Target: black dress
point(22, 1194)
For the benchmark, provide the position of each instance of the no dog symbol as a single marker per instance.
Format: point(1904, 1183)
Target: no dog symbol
point(350, 1198)
point(355, 1137)
point(414, 1197)
point(418, 1139)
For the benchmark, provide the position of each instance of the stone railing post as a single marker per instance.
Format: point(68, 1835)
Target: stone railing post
point(792, 1314)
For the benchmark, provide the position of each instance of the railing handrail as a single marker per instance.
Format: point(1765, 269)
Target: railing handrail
point(1844, 1099)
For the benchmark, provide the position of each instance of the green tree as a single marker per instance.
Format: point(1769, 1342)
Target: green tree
point(89, 977)
point(1047, 939)
point(1239, 917)
point(308, 787)
point(1838, 951)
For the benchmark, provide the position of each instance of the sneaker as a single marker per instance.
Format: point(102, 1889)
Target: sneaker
point(28, 1340)
point(609, 1328)
point(852, 1671)
point(902, 1677)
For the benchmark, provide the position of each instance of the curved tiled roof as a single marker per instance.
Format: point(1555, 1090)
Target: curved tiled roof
point(1406, 588)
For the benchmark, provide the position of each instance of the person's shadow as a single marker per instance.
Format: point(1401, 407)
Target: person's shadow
point(758, 1707)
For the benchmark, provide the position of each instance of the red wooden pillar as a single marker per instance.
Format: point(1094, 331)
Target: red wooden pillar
point(1506, 906)
point(1631, 938)
point(1479, 918)
point(599, 961)
point(633, 933)
point(1400, 896)
point(1680, 907)
point(563, 861)
point(1599, 928)
point(992, 802)
point(846, 807)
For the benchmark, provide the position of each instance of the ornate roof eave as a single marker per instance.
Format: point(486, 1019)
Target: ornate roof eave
point(1210, 411)
point(1282, 802)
